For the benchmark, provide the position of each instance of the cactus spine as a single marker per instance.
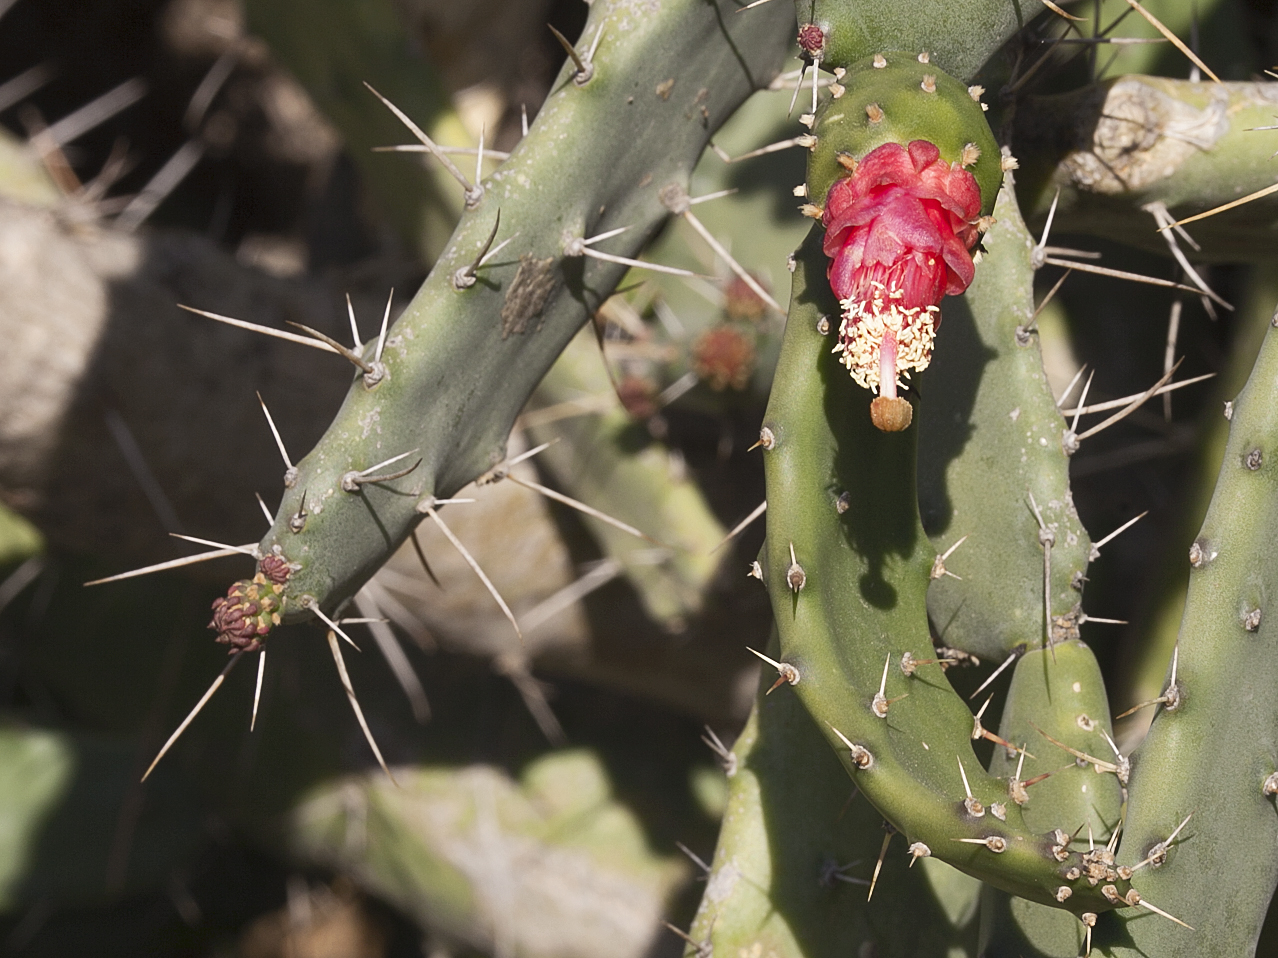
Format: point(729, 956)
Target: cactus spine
point(509, 326)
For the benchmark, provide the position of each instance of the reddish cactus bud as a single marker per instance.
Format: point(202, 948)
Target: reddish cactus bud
point(743, 304)
point(275, 569)
point(898, 232)
point(812, 39)
point(250, 608)
point(638, 395)
point(723, 357)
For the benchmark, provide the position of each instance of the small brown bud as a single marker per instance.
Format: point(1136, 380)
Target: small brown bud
point(891, 415)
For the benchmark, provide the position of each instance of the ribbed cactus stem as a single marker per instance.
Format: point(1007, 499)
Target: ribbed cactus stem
point(1056, 701)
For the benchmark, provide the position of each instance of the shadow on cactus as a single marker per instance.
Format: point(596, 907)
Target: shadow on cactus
point(919, 509)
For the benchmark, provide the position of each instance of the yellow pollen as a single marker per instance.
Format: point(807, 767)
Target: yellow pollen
point(866, 322)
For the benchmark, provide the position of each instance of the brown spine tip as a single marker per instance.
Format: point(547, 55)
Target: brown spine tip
point(891, 415)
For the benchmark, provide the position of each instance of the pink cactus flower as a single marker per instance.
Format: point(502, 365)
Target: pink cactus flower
point(898, 232)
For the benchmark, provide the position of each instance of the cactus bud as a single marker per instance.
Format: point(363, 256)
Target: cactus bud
point(251, 607)
point(724, 357)
point(812, 39)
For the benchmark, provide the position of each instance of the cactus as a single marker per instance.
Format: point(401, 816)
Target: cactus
point(1060, 694)
point(990, 373)
point(918, 767)
point(1208, 705)
point(798, 850)
point(1108, 178)
point(336, 538)
point(919, 508)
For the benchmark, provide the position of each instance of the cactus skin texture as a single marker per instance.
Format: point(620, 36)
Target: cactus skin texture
point(988, 374)
point(959, 37)
point(1061, 694)
point(459, 363)
point(789, 830)
point(1214, 753)
point(853, 596)
point(1199, 146)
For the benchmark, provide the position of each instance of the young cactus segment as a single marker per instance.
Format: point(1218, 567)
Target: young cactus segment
point(1062, 695)
point(460, 363)
point(959, 38)
point(1213, 754)
point(797, 851)
point(989, 374)
point(904, 164)
point(905, 99)
point(867, 569)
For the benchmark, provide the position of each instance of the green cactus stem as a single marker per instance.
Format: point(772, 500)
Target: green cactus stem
point(960, 38)
point(895, 97)
point(1212, 747)
point(462, 359)
point(1056, 697)
point(798, 849)
point(1115, 147)
point(987, 378)
point(849, 589)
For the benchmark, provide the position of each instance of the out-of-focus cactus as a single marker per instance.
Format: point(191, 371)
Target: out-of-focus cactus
point(550, 864)
point(77, 827)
